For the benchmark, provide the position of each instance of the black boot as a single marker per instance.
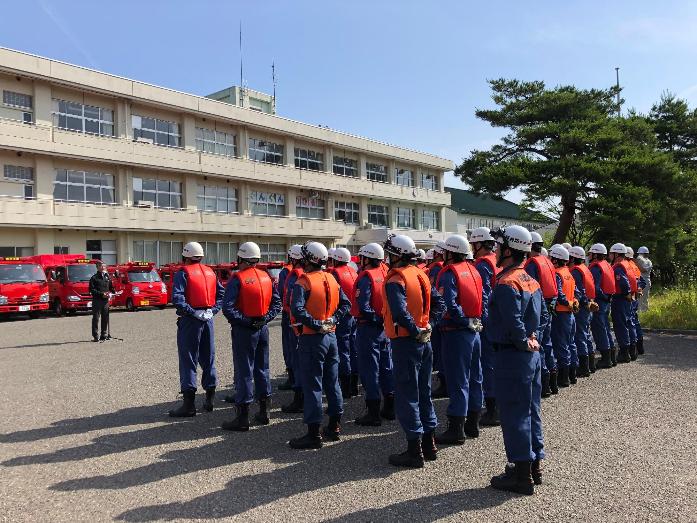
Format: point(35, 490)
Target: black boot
point(455, 433)
point(428, 446)
point(311, 440)
point(442, 390)
point(333, 430)
point(412, 457)
point(554, 382)
point(241, 422)
point(295, 406)
point(605, 359)
point(613, 356)
point(387, 411)
point(572, 375)
point(518, 480)
point(229, 398)
point(623, 356)
point(491, 416)
point(345, 384)
point(563, 377)
point(546, 390)
point(471, 426)
point(188, 407)
point(210, 399)
point(354, 385)
point(288, 384)
point(640, 346)
point(591, 362)
point(262, 417)
point(536, 472)
point(372, 417)
point(583, 370)
point(633, 353)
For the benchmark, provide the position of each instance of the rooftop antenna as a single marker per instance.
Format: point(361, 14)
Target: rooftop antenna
point(273, 78)
point(241, 70)
point(619, 107)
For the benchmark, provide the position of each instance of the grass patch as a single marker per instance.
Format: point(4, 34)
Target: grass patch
point(672, 308)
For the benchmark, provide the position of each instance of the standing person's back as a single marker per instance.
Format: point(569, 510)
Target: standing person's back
point(100, 286)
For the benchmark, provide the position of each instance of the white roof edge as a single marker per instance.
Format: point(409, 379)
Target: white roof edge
point(444, 163)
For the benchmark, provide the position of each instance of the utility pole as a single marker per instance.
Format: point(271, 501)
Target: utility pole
point(619, 107)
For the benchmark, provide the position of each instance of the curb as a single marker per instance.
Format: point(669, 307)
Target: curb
point(671, 331)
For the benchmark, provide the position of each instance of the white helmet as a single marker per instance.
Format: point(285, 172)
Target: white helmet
point(440, 245)
point(642, 250)
point(566, 245)
point(458, 244)
point(630, 253)
point(330, 252)
point(193, 250)
point(373, 251)
point(249, 251)
point(340, 254)
point(401, 245)
point(618, 248)
point(469, 255)
point(559, 252)
point(597, 248)
point(536, 238)
point(421, 255)
point(315, 252)
point(481, 234)
point(515, 237)
point(544, 252)
point(295, 252)
point(429, 254)
point(577, 252)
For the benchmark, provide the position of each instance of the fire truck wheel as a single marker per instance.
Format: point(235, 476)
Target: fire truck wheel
point(129, 305)
point(57, 308)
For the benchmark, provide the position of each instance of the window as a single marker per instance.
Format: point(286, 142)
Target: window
point(405, 177)
point(345, 166)
point(222, 252)
point(267, 203)
point(16, 251)
point(213, 198)
point(309, 207)
point(429, 220)
point(346, 211)
point(104, 250)
point(158, 252)
point(61, 249)
point(23, 102)
point(166, 194)
point(88, 119)
point(216, 142)
point(23, 175)
point(265, 151)
point(429, 181)
point(376, 172)
point(378, 215)
point(273, 251)
point(309, 159)
point(83, 186)
point(404, 218)
point(159, 132)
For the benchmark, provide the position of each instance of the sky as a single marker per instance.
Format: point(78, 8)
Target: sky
point(410, 73)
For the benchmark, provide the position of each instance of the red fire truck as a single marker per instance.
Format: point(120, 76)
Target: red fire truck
point(140, 284)
point(68, 281)
point(23, 286)
point(167, 273)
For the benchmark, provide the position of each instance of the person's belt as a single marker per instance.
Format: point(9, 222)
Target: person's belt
point(509, 346)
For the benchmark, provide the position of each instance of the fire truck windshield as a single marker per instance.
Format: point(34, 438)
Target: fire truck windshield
point(81, 272)
point(21, 273)
point(142, 276)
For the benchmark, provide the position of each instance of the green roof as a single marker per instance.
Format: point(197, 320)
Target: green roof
point(468, 202)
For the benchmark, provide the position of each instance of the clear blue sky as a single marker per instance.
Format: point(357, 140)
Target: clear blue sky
point(406, 72)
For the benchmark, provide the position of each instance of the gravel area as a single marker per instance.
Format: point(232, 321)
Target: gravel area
point(84, 436)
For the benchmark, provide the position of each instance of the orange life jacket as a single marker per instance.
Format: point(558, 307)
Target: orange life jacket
point(418, 292)
point(256, 289)
point(588, 282)
point(377, 291)
point(201, 286)
point(633, 283)
point(490, 259)
point(519, 280)
point(346, 276)
point(635, 268)
point(607, 278)
point(469, 287)
point(568, 287)
point(322, 300)
point(298, 271)
point(545, 273)
point(385, 268)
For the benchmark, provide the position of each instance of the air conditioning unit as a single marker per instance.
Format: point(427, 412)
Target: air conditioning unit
point(144, 203)
point(142, 139)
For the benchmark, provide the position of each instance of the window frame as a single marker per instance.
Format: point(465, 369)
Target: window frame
point(355, 209)
point(346, 164)
point(374, 212)
point(435, 186)
point(260, 150)
point(202, 140)
point(318, 159)
point(139, 130)
point(436, 220)
point(377, 175)
point(400, 171)
point(271, 252)
point(400, 215)
point(309, 209)
point(85, 186)
point(58, 113)
point(259, 202)
point(217, 198)
point(157, 192)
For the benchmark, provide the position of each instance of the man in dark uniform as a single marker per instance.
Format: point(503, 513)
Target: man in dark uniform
point(100, 287)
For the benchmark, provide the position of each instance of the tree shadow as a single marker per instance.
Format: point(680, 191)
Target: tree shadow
point(672, 352)
point(53, 344)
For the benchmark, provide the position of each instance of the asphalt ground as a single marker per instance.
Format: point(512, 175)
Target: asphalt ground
point(84, 436)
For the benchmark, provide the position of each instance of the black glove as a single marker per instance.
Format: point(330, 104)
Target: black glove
point(258, 323)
